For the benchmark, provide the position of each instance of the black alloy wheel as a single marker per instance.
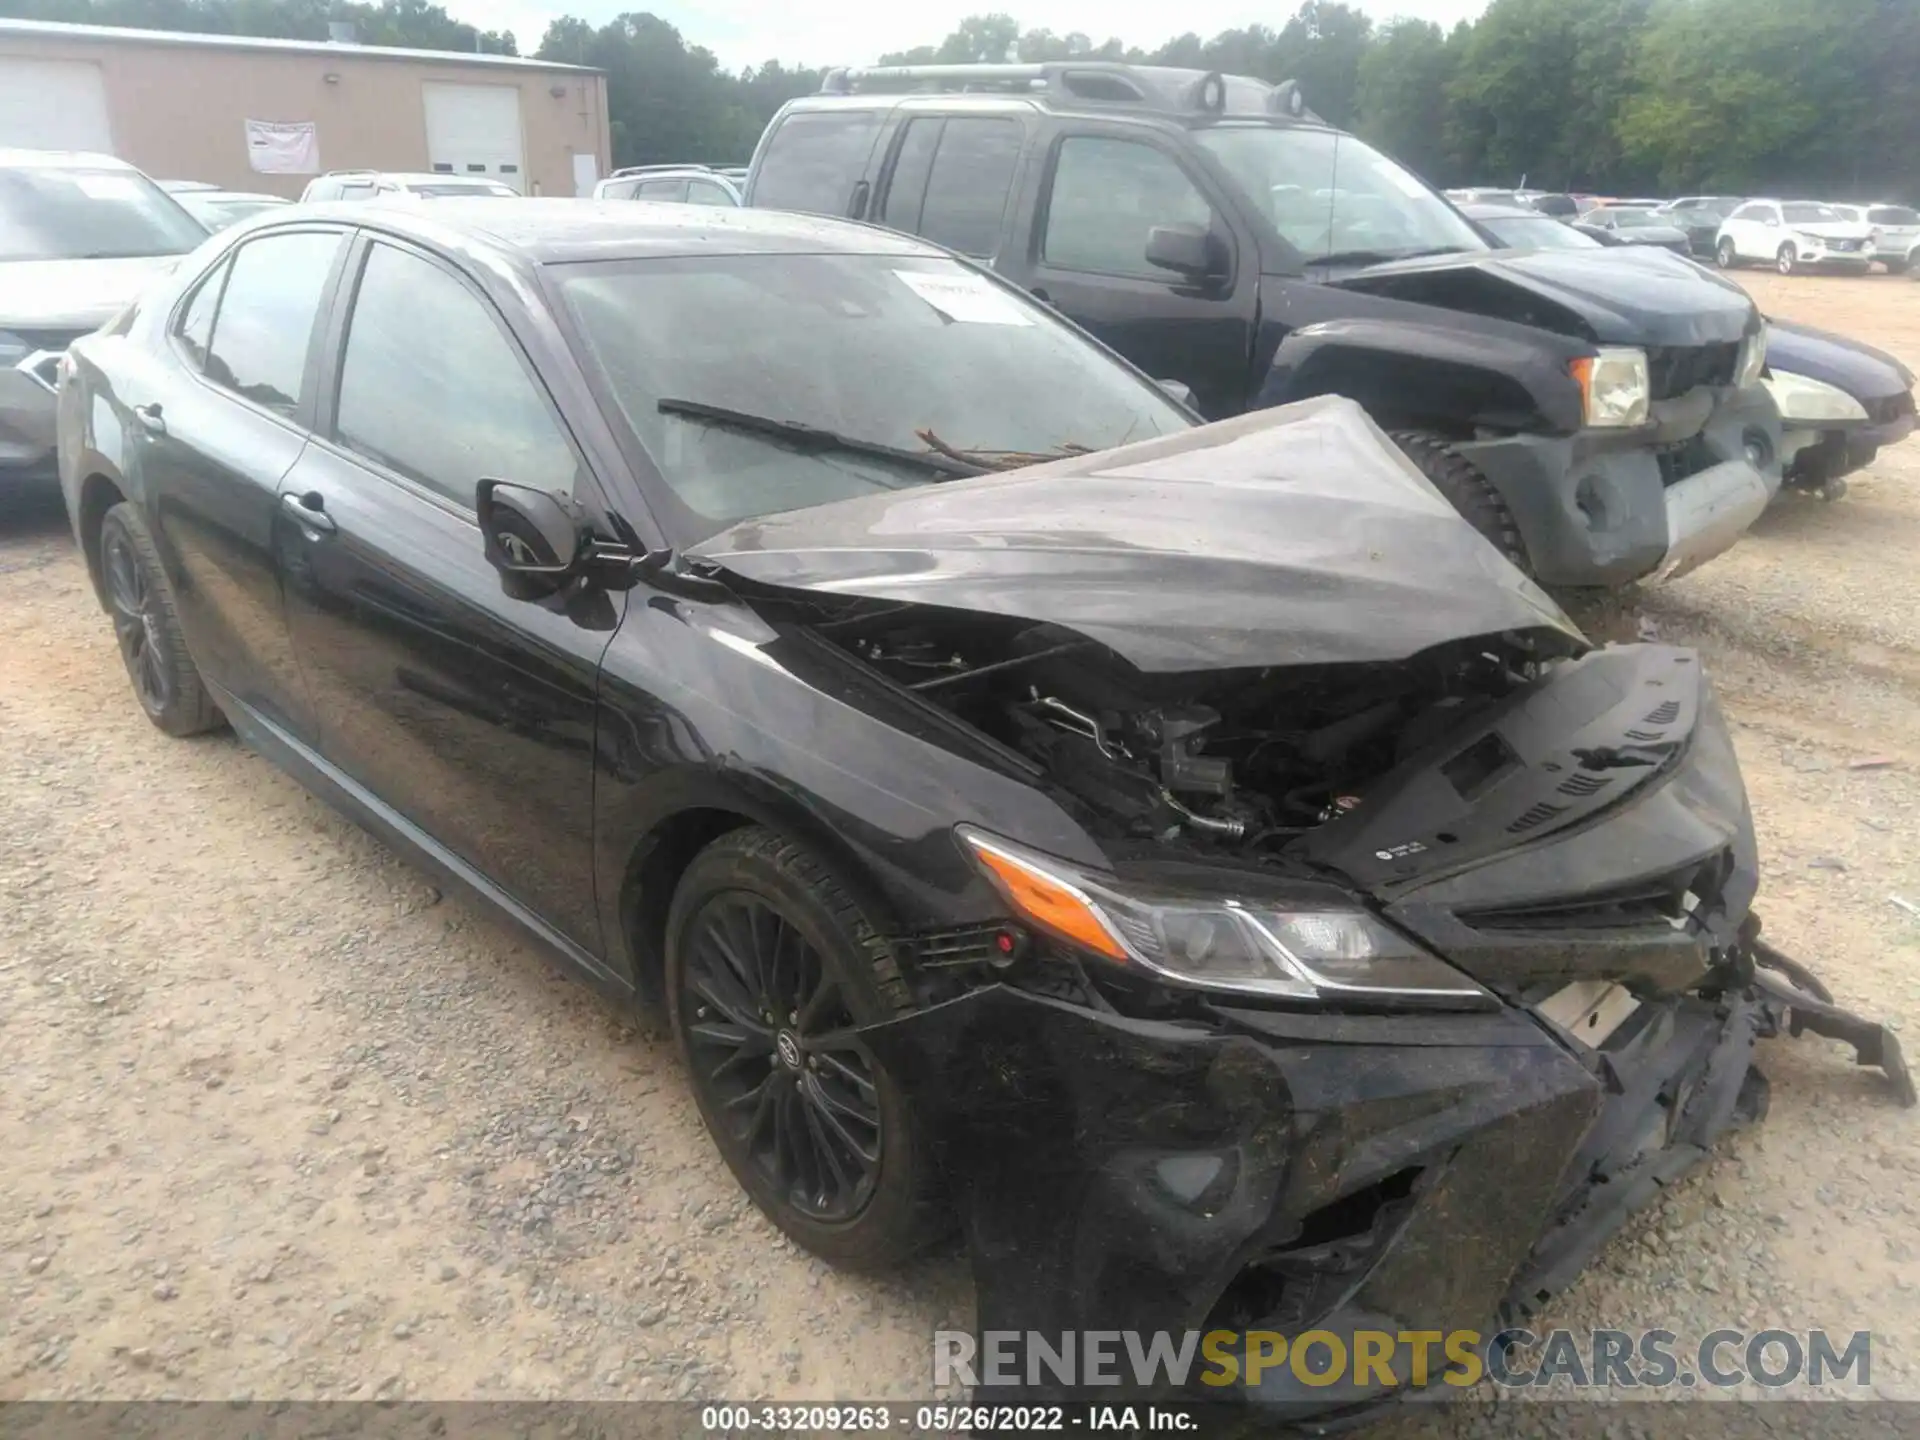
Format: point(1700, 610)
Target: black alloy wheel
point(771, 1041)
point(772, 967)
point(131, 605)
point(147, 629)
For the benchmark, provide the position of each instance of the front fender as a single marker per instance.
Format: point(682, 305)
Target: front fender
point(1409, 373)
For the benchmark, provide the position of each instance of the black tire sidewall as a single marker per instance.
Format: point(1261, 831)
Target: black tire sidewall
point(189, 710)
point(895, 1224)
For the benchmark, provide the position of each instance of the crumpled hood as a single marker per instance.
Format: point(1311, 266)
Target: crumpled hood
point(1292, 536)
point(73, 294)
point(1622, 295)
point(1847, 364)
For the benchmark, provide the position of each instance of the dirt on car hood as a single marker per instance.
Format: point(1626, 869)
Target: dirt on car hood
point(1293, 536)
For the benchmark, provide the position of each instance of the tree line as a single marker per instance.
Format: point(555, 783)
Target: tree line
point(1820, 97)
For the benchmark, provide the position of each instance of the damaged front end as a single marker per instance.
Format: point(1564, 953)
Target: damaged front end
point(1423, 952)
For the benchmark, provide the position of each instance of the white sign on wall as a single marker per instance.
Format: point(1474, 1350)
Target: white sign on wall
point(283, 149)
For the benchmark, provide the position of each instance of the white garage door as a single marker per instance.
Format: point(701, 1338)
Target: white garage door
point(475, 130)
point(53, 105)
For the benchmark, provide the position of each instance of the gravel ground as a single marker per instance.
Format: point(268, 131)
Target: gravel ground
point(285, 1122)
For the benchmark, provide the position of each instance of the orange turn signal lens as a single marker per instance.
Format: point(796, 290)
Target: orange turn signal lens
point(1047, 900)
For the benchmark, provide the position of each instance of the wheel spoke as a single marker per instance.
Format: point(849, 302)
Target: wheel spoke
point(848, 1073)
point(830, 1116)
point(736, 1008)
point(844, 1182)
point(152, 677)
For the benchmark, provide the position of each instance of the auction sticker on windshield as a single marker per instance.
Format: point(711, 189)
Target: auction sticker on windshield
point(967, 299)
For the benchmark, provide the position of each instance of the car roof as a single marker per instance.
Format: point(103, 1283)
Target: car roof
point(17, 159)
point(413, 177)
point(557, 231)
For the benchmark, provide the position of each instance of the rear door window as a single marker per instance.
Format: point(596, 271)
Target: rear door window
point(263, 328)
point(661, 190)
point(194, 327)
point(706, 192)
point(912, 163)
point(814, 160)
point(967, 189)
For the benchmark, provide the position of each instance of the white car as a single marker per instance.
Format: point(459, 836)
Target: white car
point(1792, 235)
point(80, 237)
point(395, 185)
point(1893, 229)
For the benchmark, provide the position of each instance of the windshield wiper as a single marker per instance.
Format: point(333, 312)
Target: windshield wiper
point(811, 439)
point(1382, 257)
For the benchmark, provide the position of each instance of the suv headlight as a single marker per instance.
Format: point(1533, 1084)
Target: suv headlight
point(1753, 358)
point(1810, 237)
point(1803, 399)
point(13, 348)
point(1614, 389)
point(1249, 947)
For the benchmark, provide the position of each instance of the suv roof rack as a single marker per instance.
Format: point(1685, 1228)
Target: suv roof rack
point(647, 169)
point(1100, 82)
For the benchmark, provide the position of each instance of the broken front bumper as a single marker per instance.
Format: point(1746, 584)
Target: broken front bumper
point(1285, 1171)
point(1608, 507)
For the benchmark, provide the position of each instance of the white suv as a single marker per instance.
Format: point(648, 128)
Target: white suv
point(1792, 235)
point(1894, 231)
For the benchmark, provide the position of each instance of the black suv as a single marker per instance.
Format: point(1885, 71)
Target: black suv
point(1600, 422)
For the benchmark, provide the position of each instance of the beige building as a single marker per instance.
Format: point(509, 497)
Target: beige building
point(266, 115)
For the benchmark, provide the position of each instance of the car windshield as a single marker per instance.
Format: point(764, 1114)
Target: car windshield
point(1810, 214)
point(918, 355)
point(1893, 215)
point(1633, 219)
point(82, 214)
point(1330, 195)
point(1541, 232)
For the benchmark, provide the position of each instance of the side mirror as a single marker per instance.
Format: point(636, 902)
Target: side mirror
point(538, 542)
point(1179, 390)
point(1188, 250)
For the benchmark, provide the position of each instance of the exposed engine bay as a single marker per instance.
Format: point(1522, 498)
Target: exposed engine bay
point(1247, 758)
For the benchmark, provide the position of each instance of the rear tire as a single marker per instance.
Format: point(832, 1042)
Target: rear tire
point(147, 628)
point(1788, 260)
point(1726, 253)
point(1468, 491)
point(771, 966)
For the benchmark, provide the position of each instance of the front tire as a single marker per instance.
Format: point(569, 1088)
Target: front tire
point(147, 627)
point(772, 965)
point(1787, 260)
point(1726, 253)
point(1468, 491)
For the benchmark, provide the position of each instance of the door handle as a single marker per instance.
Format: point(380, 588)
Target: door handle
point(151, 419)
point(310, 513)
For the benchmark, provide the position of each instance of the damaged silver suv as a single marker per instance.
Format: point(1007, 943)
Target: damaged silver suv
point(1189, 855)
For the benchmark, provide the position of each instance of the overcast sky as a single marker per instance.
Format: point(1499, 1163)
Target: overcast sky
point(853, 32)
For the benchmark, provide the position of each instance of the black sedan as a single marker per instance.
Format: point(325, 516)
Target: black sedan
point(1190, 854)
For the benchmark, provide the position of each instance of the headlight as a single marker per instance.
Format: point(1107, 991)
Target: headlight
point(1811, 239)
point(1753, 358)
point(1803, 399)
point(1614, 389)
point(1250, 947)
point(13, 348)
